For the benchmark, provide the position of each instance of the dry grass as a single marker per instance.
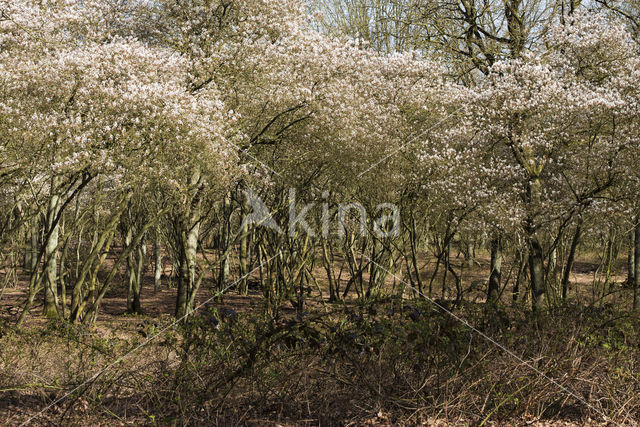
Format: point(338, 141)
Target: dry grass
point(386, 361)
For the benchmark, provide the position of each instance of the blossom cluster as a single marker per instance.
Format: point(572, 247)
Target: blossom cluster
point(146, 93)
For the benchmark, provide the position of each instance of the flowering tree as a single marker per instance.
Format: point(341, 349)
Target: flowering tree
point(558, 122)
point(80, 106)
point(155, 114)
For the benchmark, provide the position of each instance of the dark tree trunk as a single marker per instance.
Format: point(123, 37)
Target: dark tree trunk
point(631, 258)
point(522, 263)
point(570, 259)
point(496, 269)
point(636, 264)
point(536, 269)
point(182, 297)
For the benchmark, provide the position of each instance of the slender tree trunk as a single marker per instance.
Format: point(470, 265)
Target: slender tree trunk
point(193, 236)
point(468, 254)
point(496, 269)
point(570, 259)
point(182, 282)
point(135, 262)
point(188, 235)
point(536, 269)
point(31, 254)
point(522, 263)
point(609, 260)
point(552, 266)
point(51, 257)
point(536, 259)
point(445, 249)
point(130, 269)
point(244, 261)
point(413, 236)
point(158, 267)
point(137, 288)
point(63, 279)
point(328, 265)
point(187, 271)
point(223, 276)
point(636, 264)
point(631, 258)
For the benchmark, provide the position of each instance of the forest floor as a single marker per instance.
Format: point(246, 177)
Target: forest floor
point(337, 363)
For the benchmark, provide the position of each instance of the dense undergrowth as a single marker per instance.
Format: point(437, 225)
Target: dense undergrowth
point(387, 360)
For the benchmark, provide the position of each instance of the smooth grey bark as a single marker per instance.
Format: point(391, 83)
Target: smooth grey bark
point(468, 254)
point(244, 259)
point(187, 271)
point(158, 266)
point(223, 275)
point(536, 258)
point(31, 258)
point(135, 265)
point(188, 235)
point(51, 256)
